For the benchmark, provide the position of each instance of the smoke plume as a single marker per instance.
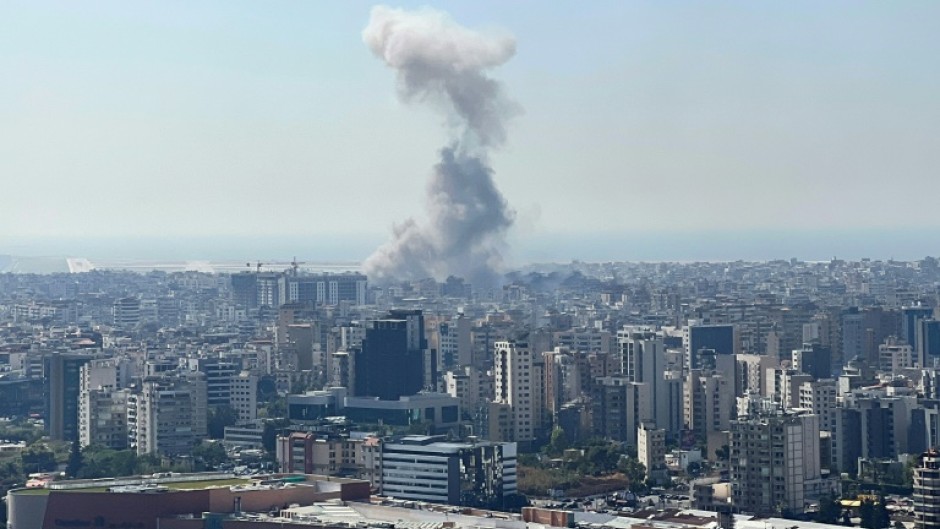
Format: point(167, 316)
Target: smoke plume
point(443, 64)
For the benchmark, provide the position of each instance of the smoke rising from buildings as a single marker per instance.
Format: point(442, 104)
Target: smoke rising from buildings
point(443, 64)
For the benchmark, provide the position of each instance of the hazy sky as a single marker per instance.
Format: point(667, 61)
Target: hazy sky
point(128, 120)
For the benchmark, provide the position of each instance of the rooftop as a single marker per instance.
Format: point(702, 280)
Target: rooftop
point(165, 482)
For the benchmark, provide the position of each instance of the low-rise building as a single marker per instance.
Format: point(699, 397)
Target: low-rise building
point(481, 474)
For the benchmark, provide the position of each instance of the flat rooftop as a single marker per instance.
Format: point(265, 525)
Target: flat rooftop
point(168, 482)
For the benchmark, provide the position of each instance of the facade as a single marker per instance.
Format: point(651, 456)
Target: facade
point(325, 289)
point(343, 371)
point(392, 362)
point(562, 381)
point(61, 375)
point(708, 340)
point(244, 396)
point(773, 458)
point(103, 418)
point(617, 412)
point(330, 454)
point(894, 356)
point(819, 396)
point(20, 395)
point(245, 290)
point(219, 375)
point(910, 321)
point(928, 343)
point(518, 386)
point(471, 386)
point(585, 341)
point(126, 312)
point(927, 491)
point(709, 402)
point(438, 410)
point(454, 344)
point(651, 451)
point(168, 415)
point(249, 435)
point(643, 357)
point(466, 474)
point(102, 408)
point(154, 503)
point(813, 359)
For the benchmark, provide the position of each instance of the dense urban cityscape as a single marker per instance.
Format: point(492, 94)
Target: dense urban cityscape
point(590, 392)
point(581, 280)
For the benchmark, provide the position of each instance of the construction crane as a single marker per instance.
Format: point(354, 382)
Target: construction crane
point(294, 264)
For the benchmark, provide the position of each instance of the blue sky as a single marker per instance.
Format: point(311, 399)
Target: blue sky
point(642, 121)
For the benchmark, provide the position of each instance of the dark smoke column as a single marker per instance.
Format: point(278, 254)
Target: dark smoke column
point(444, 64)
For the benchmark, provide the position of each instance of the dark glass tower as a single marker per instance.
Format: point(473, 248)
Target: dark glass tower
point(61, 378)
point(394, 359)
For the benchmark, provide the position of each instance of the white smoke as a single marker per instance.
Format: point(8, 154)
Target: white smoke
point(442, 63)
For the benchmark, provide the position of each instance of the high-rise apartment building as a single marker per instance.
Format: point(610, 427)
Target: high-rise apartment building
point(454, 342)
point(711, 340)
point(643, 356)
point(709, 402)
point(619, 407)
point(473, 387)
point(219, 374)
point(773, 457)
point(102, 405)
point(244, 396)
point(167, 416)
point(61, 376)
point(518, 385)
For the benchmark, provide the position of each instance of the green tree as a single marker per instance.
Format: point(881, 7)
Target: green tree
point(38, 458)
point(269, 435)
point(148, 464)
point(558, 442)
point(212, 454)
point(635, 472)
point(275, 409)
point(599, 459)
point(529, 460)
point(76, 461)
point(101, 461)
point(909, 466)
point(218, 419)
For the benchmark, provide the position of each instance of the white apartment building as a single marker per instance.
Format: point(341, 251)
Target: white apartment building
point(168, 415)
point(518, 385)
point(244, 396)
point(820, 397)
